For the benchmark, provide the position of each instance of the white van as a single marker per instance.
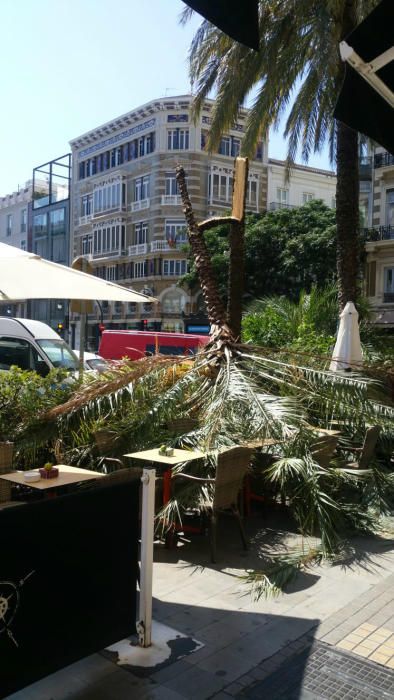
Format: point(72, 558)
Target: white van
point(33, 345)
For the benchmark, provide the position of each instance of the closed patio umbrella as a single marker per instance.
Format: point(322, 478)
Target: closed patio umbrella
point(25, 275)
point(347, 354)
point(366, 100)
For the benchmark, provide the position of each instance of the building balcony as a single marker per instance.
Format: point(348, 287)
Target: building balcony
point(160, 246)
point(383, 160)
point(115, 211)
point(171, 199)
point(139, 249)
point(107, 254)
point(83, 220)
point(274, 206)
point(379, 233)
point(139, 205)
point(388, 298)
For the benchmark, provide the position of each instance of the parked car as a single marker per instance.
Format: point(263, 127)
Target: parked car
point(95, 362)
point(33, 345)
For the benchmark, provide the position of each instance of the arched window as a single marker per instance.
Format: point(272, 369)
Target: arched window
point(173, 302)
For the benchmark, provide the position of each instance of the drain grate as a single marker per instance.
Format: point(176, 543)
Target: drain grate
point(325, 673)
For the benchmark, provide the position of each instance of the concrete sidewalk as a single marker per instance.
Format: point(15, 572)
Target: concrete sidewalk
point(347, 608)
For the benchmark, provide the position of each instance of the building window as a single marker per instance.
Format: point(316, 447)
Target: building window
point(390, 207)
point(229, 146)
point(259, 151)
point(307, 197)
point(333, 202)
point(23, 245)
point(57, 220)
point(174, 268)
point(110, 273)
point(389, 280)
point(251, 193)
point(282, 195)
point(176, 231)
point(178, 139)
point(220, 187)
point(9, 225)
point(132, 308)
point(108, 238)
point(235, 147)
point(117, 156)
point(173, 302)
point(110, 196)
point(225, 146)
point(171, 184)
point(140, 269)
point(141, 188)
point(87, 205)
point(40, 225)
point(87, 245)
point(150, 143)
point(141, 232)
point(23, 220)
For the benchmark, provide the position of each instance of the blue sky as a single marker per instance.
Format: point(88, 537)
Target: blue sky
point(70, 65)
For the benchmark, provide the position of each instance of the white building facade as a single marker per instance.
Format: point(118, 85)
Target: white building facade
point(126, 212)
point(15, 211)
point(301, 185)
point(379, 275)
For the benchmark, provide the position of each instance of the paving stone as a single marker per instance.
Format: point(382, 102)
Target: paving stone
point(196, 683)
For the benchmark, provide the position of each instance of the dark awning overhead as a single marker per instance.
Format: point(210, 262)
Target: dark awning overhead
point(237, 18)
point(366, 101)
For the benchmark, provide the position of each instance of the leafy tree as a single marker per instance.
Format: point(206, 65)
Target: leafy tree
point(299, 65)
point(285, 251)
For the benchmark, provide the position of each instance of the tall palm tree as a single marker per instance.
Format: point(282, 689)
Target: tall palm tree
point(299, 65)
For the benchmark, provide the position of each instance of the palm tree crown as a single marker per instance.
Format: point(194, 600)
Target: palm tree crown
point(298, 67)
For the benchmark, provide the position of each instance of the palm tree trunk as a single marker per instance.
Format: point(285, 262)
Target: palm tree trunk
point(347, 214)
point(347, 192)
point(215, 309)
point(236, 277)
point(236, 271)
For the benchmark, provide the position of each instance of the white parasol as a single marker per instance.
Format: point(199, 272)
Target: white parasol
point(347, 352)
point(25, 275)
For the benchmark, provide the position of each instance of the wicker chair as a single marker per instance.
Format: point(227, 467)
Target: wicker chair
point(231, 469)
point(323, 450)
point(367, 451)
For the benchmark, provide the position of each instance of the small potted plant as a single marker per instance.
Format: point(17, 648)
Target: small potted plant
point(166, 451)
point(49, 471)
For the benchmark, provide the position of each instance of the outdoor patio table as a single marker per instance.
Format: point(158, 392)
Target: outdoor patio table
point(178, 457)
point(67, 475)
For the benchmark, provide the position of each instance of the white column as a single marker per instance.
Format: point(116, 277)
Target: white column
point(144, 625)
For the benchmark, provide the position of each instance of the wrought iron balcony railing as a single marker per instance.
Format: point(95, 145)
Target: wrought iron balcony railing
point(382, 160)
point(379, 233)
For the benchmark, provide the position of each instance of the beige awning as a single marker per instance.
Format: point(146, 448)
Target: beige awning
point(25, 275)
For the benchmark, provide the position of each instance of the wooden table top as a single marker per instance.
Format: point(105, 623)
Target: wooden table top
point(67, 475)
point(178, 456)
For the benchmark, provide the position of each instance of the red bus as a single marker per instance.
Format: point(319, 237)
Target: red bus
point(114, 345)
